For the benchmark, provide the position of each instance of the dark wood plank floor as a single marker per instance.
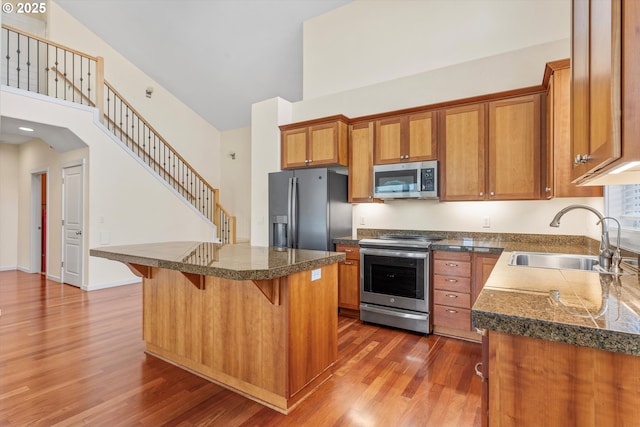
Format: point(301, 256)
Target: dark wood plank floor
point(70, 358)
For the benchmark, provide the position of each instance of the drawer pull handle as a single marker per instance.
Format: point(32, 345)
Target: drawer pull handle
point(452, 296)
point(348, 250)
point(451, 264)
point(478, 369)
point(348, 263)
point(452, 311)
point(452, 280)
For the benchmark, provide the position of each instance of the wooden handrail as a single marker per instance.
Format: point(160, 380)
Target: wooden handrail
point(151, 128)
point(33, 36)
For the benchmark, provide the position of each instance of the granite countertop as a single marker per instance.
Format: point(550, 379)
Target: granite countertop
point(589, 309)
point(235, 262)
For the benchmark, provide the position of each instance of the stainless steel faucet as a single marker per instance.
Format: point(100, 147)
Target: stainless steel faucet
point(605, 252)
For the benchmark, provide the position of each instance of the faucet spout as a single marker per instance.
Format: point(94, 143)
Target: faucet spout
point(605, 247)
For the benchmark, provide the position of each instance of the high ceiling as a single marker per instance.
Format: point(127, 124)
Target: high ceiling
point(216, 56)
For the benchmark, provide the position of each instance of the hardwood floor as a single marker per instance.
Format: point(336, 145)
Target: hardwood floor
point(70, 358)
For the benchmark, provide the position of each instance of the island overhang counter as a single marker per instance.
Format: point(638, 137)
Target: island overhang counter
point(261, 321)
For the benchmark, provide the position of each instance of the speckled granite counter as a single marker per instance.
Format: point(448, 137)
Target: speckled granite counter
point(592, 310)
point(235, 262)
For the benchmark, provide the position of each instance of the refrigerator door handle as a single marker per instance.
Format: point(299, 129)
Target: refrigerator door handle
point(289, 212)
point(294, 212)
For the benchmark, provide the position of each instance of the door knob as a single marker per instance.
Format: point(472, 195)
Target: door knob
point(78, 233)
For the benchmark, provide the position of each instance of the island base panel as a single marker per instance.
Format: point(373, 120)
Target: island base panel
point(232, 334)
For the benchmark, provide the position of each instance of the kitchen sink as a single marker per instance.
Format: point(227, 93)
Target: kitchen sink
point(555, 261)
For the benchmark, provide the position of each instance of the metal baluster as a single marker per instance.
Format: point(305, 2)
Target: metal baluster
point(18, 62)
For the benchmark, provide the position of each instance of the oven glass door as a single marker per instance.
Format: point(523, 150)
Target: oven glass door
point(394, 276)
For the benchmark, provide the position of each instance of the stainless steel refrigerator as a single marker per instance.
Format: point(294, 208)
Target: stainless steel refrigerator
point(308, 208)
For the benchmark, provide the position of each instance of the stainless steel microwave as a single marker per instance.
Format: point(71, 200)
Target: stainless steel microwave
point(417, 180)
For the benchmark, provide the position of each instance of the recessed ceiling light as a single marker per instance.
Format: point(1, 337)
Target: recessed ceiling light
point(26, 129)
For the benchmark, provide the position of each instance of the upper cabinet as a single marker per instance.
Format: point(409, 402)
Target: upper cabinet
point(514, 148)
point(462, 148)
point(491, 151)
point(558, 160)
point(315, 143)
point(605, 89)
point(361, 161)
point(405, 138)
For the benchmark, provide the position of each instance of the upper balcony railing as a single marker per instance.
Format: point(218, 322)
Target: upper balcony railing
point(38, 65)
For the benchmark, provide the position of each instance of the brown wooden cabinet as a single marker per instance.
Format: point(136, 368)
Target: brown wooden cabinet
point(558, 159)
point(458, 278)
point(462, 153)
point(361, 162)
point(492, 157)
point(605, 89)
point(535, 382)
point(596, 85)
point(514, 148)
point(315, 143)
point(406, 138)
point(349, 280)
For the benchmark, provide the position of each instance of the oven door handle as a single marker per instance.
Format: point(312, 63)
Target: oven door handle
point(393, 253)
point(396, 313)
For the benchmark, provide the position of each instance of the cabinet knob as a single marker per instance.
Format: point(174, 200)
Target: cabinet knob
point(348, 263)
point(452, 280)
point(581, 158)
point(548, 189)
point(452, 296)
point(451, 311)
point(481, 194)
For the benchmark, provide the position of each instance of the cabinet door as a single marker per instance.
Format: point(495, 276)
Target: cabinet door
point(349, 285)
point(596, 85)
point(462, 153)
point(604, 83)
point(579, 85)
point(514, 148)
point(559, 159)
point(294, 148)
point(361, 162)
point(388, 140)
point(328, 144)
point(482, 267)
point(421, 144)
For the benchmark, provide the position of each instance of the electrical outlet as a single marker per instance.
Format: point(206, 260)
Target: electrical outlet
point(486, 222)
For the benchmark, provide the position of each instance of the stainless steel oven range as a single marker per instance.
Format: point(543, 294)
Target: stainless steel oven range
point(394, 281)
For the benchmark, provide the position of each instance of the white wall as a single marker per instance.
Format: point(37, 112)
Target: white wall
point(373, 57)
point(368, 42)
point(194, 138)
point(8, 206)
point(235, 179)
point(125, 204)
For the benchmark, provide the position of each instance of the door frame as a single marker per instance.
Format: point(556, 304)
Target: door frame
point(81, 164)
point(35, 244)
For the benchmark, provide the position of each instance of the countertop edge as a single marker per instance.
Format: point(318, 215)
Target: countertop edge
point(607, 340)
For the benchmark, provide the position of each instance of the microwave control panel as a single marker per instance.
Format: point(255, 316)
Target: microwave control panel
point(428, 179)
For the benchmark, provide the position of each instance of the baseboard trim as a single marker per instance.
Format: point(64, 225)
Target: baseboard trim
point(111, 284)
point(11, 268)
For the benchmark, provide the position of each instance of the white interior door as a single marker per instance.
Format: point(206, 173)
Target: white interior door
point(73, 225)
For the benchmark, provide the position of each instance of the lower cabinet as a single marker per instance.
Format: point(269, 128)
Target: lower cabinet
point(458, 278)
point(535, 382)
point(349, 281)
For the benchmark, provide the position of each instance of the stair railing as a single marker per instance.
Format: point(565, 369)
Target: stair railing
point(38, 65)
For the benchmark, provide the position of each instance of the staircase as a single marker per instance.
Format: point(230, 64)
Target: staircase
point(38, 65)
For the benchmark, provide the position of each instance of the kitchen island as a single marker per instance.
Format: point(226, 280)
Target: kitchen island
point(561, 347)
point(260, 321)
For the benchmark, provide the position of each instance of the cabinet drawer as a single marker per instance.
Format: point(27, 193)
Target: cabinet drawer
point(454, 299)
point(452, 267)
point(452, 283)
point(453, 256)
point(452, 317)
point(351, 251)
